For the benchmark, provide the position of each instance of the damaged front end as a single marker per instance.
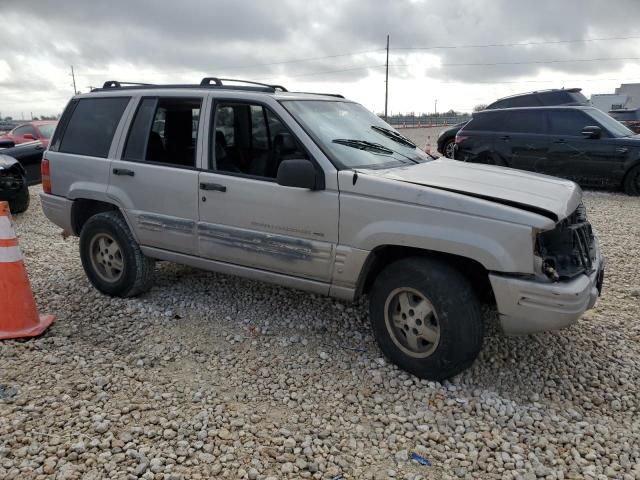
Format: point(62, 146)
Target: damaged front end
point(12, 180)
point(13, 184)
point(568, 250)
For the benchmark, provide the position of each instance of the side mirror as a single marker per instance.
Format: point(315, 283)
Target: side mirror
point(28, 136)
point(299, 173)
point(592, 132)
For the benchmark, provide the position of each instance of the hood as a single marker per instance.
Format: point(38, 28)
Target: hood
point(549, 196)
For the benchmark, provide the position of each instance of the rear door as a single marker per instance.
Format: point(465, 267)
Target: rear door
point(476, 140)
point(154, 178)
point(524, 143)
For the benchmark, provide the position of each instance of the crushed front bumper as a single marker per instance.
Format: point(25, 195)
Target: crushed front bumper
point(529, 306)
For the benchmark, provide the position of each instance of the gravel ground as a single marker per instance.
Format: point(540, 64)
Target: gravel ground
point(211, 376)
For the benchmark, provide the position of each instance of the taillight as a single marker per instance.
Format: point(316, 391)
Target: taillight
point(461, 138)
point(45, 170)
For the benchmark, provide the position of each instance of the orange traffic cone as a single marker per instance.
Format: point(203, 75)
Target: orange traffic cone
point(18, 315)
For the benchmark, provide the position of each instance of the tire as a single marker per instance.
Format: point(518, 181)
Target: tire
point(111, 258)
point(21, 201)
point(448, 148)
point(632, 181)
point(456, 315)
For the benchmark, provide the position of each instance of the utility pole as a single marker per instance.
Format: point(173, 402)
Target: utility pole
point(73, 76)
point(386, 83)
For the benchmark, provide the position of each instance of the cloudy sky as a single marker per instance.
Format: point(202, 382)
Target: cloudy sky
point(458, 52)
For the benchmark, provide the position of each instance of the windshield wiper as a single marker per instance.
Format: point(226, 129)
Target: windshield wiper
point(363, 145)
point(393, 135)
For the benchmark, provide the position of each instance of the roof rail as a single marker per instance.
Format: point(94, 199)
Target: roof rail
point(117, 84)
point(206, 82)
point(338, 95)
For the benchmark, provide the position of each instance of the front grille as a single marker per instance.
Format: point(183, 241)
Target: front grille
point(569, 249)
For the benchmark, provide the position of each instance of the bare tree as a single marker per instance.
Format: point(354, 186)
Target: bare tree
point(479, 107)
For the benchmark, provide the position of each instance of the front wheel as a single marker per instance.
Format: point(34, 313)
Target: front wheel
point(112, 259)
point(20, 203)
point(449, 148)
point(426, 317)
point(632, 181)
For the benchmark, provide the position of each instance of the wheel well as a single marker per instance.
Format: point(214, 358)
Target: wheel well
point(83, 209)
point(380, 257)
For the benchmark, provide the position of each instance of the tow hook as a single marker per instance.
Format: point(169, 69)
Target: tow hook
point(550, 272)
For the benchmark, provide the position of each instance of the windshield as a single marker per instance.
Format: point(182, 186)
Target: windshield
point(352, 136)
point(612, 125)
point(47, 129)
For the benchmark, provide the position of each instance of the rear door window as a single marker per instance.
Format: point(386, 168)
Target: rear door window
point(165, 130)
point(568, 122)
point(92, 125)
point(486, 122)
point(526, 121)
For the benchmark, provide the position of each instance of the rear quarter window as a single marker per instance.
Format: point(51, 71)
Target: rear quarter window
point(91, 126)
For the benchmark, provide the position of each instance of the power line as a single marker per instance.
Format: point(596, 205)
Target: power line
point(535, 62)
point(517, 44)
point(299, 60)
point(436, 47)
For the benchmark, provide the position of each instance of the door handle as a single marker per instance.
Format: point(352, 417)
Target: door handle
point(216, 187)
point(123, 171)
point(506, 138)
point(562, 140)
point(622, 150)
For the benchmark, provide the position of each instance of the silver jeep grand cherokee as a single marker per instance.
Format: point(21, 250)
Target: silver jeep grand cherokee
point(315, 192)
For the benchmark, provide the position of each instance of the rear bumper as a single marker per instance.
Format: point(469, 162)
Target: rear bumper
point(527, 306)
point(57, 210)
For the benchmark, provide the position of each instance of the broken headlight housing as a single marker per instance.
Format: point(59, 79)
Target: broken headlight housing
point(569, 249)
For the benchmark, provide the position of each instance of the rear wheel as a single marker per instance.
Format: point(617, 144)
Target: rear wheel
point(112, 259)
point(632, 181)
point(426, 318)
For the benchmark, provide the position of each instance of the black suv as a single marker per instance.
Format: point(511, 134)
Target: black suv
point(569, 96)
point(582, 144)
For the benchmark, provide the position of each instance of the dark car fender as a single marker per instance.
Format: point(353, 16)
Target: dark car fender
point(447, 134)
point(10, 163)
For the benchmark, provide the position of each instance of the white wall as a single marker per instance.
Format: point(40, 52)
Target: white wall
point(605, 101)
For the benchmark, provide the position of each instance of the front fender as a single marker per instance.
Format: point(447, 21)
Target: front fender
point(7, 162)
point(497, 247)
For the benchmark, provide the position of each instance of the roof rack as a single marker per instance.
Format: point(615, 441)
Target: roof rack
point(207, 82)
point(116, 84)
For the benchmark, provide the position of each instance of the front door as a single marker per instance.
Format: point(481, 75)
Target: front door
point(587, 161)
point(156, 180)
point(246, 218)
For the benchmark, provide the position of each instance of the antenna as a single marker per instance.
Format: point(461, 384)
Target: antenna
point(73, 76)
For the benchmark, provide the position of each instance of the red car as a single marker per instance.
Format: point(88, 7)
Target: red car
point(27, 132)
